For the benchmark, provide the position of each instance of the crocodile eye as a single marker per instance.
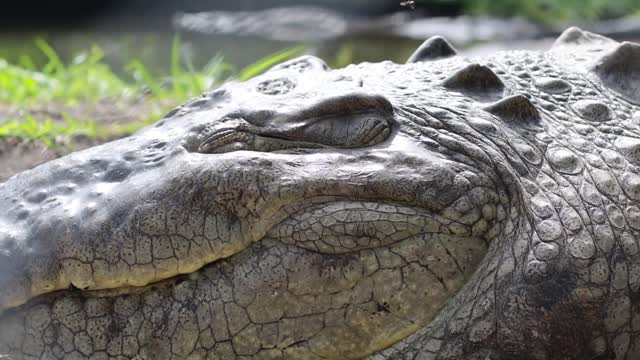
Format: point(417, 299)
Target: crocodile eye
point(356, 120)
point(348, 131)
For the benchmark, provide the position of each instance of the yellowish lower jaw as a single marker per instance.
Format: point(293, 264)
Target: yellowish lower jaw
point(324, 306)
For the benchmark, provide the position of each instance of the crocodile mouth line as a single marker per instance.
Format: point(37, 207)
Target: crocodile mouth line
point(348, 227)
point(354, 231)
point(192, 276)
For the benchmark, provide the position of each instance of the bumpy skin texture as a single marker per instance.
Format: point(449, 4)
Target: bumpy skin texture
point(448, 208)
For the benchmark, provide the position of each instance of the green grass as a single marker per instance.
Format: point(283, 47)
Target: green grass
point(548, 12)
point(88, 80)
point(553, 12)
point(49, 131)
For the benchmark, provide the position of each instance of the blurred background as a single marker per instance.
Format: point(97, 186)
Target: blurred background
point(245, 30)
point(77, 73)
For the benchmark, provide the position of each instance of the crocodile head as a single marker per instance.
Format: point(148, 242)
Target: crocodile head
point(307, 213)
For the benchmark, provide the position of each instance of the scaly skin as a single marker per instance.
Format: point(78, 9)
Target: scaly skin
point(448, 208)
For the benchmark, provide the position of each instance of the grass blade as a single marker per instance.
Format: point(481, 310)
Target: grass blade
point(54, 65)
point(267, 62)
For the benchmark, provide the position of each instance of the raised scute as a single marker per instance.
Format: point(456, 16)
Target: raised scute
point(575, 36)
point(436, 47)
point(516, 108)
point(619, 69)
point(474, 78)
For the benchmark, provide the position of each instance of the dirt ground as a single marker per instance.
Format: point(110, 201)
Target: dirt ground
point(17, 155)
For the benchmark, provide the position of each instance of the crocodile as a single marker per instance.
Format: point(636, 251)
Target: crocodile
point(448, 208)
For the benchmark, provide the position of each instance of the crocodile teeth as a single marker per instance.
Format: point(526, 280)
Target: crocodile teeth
point(516, 108)
point(619, 69)
point(474, 78)
point(436, 47)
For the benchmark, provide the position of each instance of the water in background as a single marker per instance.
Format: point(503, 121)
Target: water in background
point(242, 38)
point(154, 48)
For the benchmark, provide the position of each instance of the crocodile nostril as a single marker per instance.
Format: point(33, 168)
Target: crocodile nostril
point(278, 86)
point(344, 78)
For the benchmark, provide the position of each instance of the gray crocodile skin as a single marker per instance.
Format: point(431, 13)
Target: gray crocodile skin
point(447, 208)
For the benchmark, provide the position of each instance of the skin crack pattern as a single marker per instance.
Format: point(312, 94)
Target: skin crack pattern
point(446, 208)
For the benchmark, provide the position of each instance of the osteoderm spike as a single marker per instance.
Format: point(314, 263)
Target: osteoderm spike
point(474, 78)
point(436, 47)
point(619, 69)
point(575, 36)
point(516, 108)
